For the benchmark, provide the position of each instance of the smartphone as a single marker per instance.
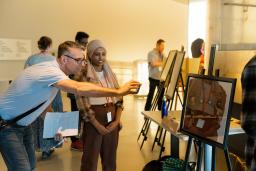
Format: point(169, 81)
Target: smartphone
point(135, 90)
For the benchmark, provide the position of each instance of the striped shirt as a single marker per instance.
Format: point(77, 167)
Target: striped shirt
point(248, 116)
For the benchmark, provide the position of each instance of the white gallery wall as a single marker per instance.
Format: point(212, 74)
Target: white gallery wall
point(129, 28)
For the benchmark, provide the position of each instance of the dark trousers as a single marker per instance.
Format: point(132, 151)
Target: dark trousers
point(96, 144)
point(153, 83)
point(73, 108)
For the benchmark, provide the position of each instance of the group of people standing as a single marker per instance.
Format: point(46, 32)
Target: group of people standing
point(81, 69)
point(248, 77)
point(98, 97)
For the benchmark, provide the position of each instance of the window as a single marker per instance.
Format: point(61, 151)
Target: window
point(196, 21)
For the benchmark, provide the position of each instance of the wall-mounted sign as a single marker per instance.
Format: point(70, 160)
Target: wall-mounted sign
point(15, 49)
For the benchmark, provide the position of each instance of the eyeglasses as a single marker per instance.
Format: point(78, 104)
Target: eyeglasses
point(79, 61)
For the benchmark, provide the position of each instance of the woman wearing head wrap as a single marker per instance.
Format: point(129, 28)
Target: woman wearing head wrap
point(101, 114)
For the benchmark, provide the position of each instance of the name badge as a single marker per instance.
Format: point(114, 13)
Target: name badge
point(109, 117)
point(200, 123)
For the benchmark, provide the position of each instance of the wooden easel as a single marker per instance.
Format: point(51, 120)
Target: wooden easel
point(160, 130)
point(162, 85)
point(147, 122)
point(204, 148)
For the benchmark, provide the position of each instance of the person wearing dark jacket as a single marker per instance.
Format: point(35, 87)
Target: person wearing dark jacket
point(82, 39)
point(248, 116)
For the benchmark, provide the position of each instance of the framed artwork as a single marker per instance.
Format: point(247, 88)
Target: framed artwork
point(206, 108)
point(168, 66)
point(175, 75)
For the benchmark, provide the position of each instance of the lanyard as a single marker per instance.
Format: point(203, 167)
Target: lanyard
point(107, 84)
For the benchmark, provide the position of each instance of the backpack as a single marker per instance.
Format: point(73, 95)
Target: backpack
point(167, 163)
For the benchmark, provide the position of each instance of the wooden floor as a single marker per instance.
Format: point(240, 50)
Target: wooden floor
point(129, 157)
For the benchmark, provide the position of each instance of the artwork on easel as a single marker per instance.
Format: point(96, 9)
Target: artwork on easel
point(206, 109)
point(167, 69)
point(175, 75)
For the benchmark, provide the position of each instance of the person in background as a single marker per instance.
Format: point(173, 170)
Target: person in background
point(155, 63)
point(197, 49)
point(82, 39)
point(101, 129)
point(35, 88)
point(248, 115)
point(44, 145)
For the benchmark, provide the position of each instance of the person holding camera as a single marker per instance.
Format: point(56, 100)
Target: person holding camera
point(102, 114)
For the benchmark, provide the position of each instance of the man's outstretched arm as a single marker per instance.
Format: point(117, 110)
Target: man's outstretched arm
point(92, 90)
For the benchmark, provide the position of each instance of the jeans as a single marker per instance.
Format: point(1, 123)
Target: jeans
point(153, 83)
point(17, 148)
point(57, 104)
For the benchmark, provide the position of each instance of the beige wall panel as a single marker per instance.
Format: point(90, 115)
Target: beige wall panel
point(129, 28)
point(231, 64)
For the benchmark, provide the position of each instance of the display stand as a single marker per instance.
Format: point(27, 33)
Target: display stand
point(160, 131)
point(173, 75)
point(170, 94)
point(165, 80)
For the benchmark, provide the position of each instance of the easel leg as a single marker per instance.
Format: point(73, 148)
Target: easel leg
point(187, 154)
point(179, 96)
point(146, 132)
point(143, 128)
point(182, 82)
point(176, 100)
point(175, 152)
point(159, 138)
point(156, 139)
point(162, 148)
point(199, 156)
point(155, 100)
point(227, 159)
point(213, 158)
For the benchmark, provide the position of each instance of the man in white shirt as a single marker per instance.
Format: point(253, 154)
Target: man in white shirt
point(155, 62)
point(36, 85)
